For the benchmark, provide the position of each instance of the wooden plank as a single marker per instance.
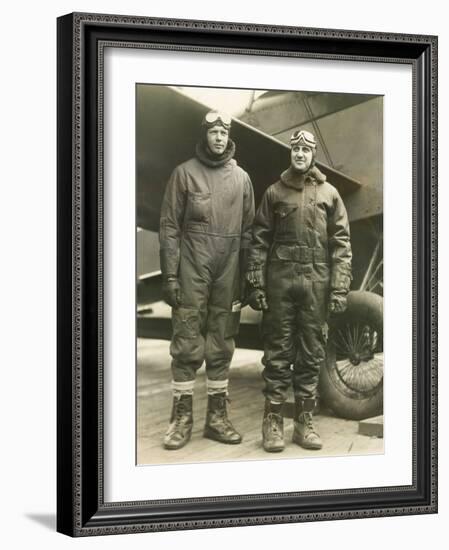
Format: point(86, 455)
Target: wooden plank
point(154, 400)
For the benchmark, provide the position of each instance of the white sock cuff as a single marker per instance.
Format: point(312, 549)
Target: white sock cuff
point(216, 386)
point(183, 388)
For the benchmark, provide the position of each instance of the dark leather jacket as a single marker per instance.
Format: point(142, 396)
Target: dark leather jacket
point(303, 219)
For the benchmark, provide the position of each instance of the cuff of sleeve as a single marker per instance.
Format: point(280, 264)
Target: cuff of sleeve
point(341, 281)
point(169, 259)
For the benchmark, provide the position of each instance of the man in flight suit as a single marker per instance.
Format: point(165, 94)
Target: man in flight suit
point(205, 231)
point(300, 272)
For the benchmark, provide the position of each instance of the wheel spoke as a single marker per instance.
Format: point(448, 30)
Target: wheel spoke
point(362, 378)
point(345, 342)
point(355, 360)
point(345, 368)
point(375, 339)
point(358, 336)
point(348, 332)
point(355, 339)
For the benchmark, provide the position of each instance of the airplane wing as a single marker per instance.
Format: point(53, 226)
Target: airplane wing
point(167, 130)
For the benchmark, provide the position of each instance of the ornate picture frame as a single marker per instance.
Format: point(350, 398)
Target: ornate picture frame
point(82, 507)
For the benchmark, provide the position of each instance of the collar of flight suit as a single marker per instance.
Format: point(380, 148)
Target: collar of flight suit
point(293, 179)
point(214, 161)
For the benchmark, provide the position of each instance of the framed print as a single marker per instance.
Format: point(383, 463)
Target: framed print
point(246, 274)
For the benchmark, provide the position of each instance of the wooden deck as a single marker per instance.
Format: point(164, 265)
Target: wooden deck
point(340, 437)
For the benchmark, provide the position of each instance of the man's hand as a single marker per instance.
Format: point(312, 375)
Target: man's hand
point(258, 300)
point(171, 291)
point(255, 276)
point(338, 303)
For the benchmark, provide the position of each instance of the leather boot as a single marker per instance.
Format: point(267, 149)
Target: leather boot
point(181, 423)
point(305, 433)
point(218, 426)
point(273, 427)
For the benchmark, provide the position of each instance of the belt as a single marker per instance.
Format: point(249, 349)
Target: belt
point(300, 254)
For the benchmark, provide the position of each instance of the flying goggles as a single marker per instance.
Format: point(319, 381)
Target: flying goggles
point(303, 137)
point(215, 117)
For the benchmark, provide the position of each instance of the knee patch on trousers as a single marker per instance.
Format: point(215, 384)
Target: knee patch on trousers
point(186, 322)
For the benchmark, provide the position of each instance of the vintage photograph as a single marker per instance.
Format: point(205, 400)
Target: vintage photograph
point(259, 274)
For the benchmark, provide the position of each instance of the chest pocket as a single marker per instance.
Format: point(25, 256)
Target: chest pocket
point(198, 207)
point(285, 218)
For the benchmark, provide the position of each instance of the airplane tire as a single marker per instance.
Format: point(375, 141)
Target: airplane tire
point(351, 379)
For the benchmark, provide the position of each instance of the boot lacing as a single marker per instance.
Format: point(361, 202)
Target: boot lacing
point(308, 421)
point(223, 415)
point(274, 420)
point(180, 415)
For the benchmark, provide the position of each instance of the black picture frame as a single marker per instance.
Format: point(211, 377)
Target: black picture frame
point(81, 510)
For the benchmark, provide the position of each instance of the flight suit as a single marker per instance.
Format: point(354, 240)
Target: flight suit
point(301, 243)
point(206, 218)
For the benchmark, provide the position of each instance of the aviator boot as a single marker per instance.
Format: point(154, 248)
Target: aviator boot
point(273, 427)
point(305, 433)
point(218, 426)
point(181, 423)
